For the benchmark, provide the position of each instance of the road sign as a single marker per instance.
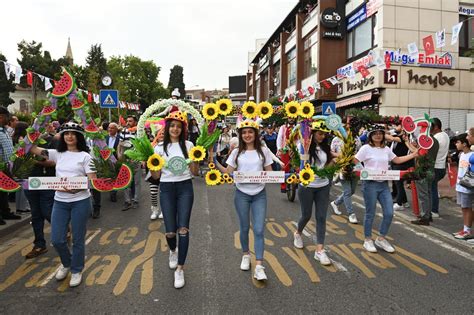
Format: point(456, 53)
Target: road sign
point(329, 108)
point(109, 98)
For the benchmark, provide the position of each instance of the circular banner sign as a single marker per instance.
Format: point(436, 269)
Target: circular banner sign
point(177, 165)
point(330, 18)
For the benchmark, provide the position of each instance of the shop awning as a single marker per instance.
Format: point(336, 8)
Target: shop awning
point(354, 99)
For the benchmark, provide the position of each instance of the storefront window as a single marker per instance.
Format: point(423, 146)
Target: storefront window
point(291, 67)
point(310, 55)
point(466, 37)
point(360, 39)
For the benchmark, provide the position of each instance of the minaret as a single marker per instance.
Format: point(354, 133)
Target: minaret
point(69, 51)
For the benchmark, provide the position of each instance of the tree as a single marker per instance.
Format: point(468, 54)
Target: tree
point(136, 80)
point(6, 87)
point(176, 80)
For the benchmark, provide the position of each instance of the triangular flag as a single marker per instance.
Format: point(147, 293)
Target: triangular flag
point(89, 97)
point(7, 70)
point(412, 49)
point(363, 71)
point(428, 45)
point(387, 60)
point(29, 78)
point(333, 80)
point(326, 84)
point(351, 73)
point(18, 75)
point(300, 94)
point(41, 77)
point(47, 84)
point(317, 86)
point(310, 90)
point(441, 38)
point(456, 30)
point(96, 98)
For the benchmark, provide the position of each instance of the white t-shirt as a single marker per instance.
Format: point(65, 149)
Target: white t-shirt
point(443, 140)
point(71, 164)
point(463, 167)
point(250, 161)
point(323, 157)
point(375, 158)
point(174, 150)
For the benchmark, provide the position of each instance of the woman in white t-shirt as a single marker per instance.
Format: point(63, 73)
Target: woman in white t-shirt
point(250, 156)
point(317, 192)
point(176, 190)
point(72, 159)
point(377, 156)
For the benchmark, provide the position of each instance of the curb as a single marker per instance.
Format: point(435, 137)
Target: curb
point(13, 227)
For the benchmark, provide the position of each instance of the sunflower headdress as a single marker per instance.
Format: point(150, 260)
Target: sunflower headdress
point(306, 110)
point(249, 110)
point(210, 111)
point(265, 110)
point(292, 109)
point(248, 123)
point(224, 106)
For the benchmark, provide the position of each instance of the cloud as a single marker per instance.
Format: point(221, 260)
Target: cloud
point(209, 38)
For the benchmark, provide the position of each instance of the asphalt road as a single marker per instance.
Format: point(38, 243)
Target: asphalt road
point(127, 267)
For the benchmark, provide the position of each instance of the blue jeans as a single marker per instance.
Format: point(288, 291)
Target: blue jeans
point(349, 187)
point(320, 198)
point(176, 201)
point(373, 191)
point(439, 174)
point(76, 212)
point(258, 204)
point(41, 204)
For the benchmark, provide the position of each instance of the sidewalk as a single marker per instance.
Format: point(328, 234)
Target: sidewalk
point(13, 225)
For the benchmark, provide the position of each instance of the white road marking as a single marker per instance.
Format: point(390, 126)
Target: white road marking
point(305, 230)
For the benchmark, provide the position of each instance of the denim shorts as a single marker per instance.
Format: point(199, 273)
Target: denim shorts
point(464, 200)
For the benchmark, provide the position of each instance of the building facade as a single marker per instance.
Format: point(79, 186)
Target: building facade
point(439, 84)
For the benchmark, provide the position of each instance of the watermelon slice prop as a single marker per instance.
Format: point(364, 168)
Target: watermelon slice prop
point(64, 86)
point(123, 180)
point(7, 184)
point(105, 154)
point(103, 184)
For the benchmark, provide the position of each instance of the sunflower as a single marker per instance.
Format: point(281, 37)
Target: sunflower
point(196, 154)
point(289, 180)
point(210, 111)
point(307, 165)
point(230, 180)
point(213, 177)
point(211, 165)
point(292, 109)
point(306, 110)
point(222, 181)
point(265, 110)
point(225, 106)
point(306, 176)
point(225, 176)
point(155, 162)
point(249, 110)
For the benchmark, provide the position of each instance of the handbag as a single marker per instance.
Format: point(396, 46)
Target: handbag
point(467, 181)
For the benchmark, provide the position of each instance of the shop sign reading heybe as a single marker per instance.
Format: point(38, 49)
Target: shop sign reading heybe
point(434, 80)
point(351, 87)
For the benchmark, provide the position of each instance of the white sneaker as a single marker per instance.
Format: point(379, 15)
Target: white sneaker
point(179, 279)
point(434, 214)
point(335, 208)
point(322, 257)
point(398, 207)
point(259, 273)
point(385, 245)
point(62, 273)
point(369, 246)
point(154, 213)
point(297, 240)
point(160, 216)
point(173, 259)
point(245, 264)
point(353, 218)
point(76, 279)
point(406, 205)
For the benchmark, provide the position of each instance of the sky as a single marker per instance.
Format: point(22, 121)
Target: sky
point(210, 39)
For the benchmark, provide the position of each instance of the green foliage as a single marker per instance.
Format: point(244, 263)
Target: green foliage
point(6, 86)
point(96, 61)
point(24, 117)
point(22, 166)
point(205, 139)
point(141, 150)
point(326, 172)
point(176, 80)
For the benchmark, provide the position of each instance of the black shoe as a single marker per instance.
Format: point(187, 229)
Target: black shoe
point(2, 222)
point(11, 216)
point(135, 205)
point(96, 214)
point(127, 206)
point(421, 221)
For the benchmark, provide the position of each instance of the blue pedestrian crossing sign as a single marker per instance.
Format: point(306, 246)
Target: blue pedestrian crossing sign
point(329, 108)
point(109, 99)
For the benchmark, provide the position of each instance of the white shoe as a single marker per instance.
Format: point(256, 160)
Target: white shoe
point(259, 273)
point(385, 245)
point(434, 214)
point(335, 208)
point(179, 279)
point(322, 257)
point(173, 259)
point(160, 216)
point(398, 207)
point(245, 264)
point(353, 218)
point(406, 205)
point(62, 273)
point(297, 240)
point(154, 213)
point(369, 246)
point(76, 279)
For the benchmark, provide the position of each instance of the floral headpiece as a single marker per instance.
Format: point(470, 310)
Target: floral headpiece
point(248, 123)
point(178, 115)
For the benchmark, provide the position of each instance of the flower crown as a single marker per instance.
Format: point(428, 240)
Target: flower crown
point(248, 123)
point(177, 115)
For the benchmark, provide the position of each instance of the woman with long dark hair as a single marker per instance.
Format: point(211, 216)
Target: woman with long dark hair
point(249, 157)
point(316, 192)
point(176, 190)
point(72, 206)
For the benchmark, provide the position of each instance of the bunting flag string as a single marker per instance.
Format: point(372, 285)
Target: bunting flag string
point(17, 72)
point(382, 63)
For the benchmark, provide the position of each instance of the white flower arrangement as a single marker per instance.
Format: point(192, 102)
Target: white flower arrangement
point(160, 106)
